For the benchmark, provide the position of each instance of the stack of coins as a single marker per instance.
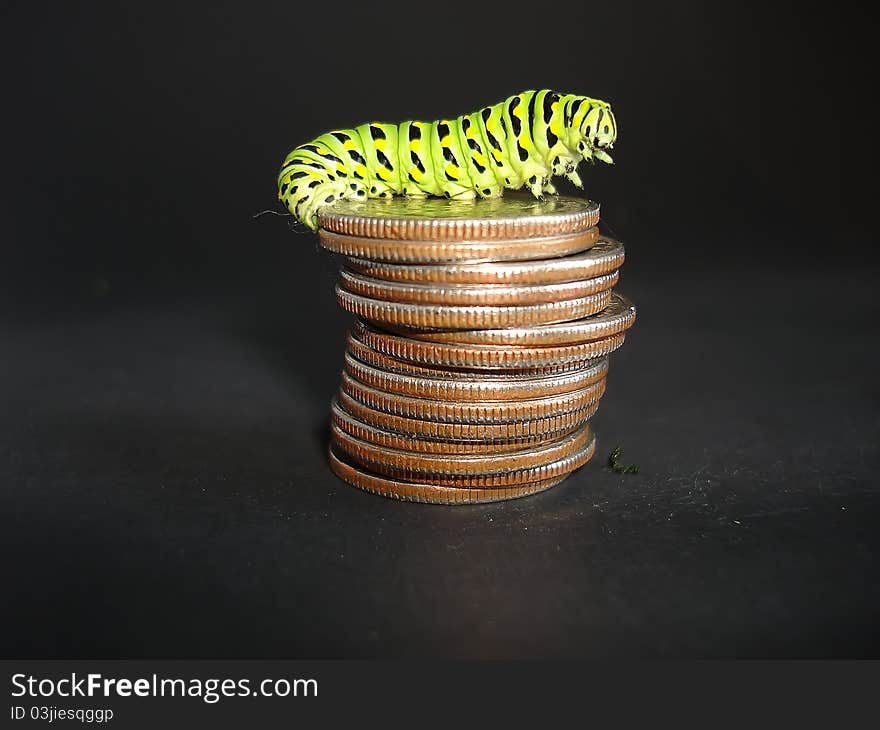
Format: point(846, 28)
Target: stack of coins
point(480, 348)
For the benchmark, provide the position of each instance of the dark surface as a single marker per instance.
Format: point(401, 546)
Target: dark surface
point(166, 362)
point(171, 498)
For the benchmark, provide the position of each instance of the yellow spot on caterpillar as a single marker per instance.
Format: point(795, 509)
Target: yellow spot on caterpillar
point(383, 173)
point(414, 145)
point(380, 144)
point(496, 154)
point(452, 171)
point(360, 170)
point(416, 174)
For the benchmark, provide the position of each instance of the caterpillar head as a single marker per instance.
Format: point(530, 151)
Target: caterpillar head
point(598, 132)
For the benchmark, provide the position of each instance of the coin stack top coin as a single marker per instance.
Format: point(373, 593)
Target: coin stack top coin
point(479, 352)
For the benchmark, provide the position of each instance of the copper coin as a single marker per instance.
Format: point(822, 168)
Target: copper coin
point(605, 256)
point(482, 356)
point(617, 317)
point(470, 317)
point(445, 431)
point(420, 466)
point(427, 493)
point(453, 387)
point(515, 215)
point(380, 437)
point(474, 295)
point(525, 475)
point(430, 252)
point(480, 412)
point(392, 364)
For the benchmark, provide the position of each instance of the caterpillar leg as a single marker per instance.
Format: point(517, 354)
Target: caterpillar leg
point(538, 185)
point(567, 167)
point(322, 195)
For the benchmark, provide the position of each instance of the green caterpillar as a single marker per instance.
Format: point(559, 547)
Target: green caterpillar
point(522, 141)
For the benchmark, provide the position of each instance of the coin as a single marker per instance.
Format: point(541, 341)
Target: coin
point(548, 470)
point(515, 215)
point(479, 353)
point(618, 316)
point(605, 256)
point(407, 464)
point(481, 412)
point(448, 386)
point(446, 431)
point(427, 493)
point(392, 364)
point(475, 295)
point(483, 356)
point(374, 435)
point(416, 251)
point(470, 317)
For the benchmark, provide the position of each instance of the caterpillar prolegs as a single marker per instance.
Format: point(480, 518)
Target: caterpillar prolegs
point(522, 141)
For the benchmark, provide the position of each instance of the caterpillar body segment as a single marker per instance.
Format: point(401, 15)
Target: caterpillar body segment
point(523, 141)
point(450, 162)
point(416, 160)
point(493, 126)
point(381, 155)
point(479, 157)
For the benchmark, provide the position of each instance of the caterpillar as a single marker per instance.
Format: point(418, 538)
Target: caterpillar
point(522, 141)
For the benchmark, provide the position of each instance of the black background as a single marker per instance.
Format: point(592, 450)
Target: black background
point(167, 359)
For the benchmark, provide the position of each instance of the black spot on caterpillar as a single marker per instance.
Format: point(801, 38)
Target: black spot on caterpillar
point(383, 160)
